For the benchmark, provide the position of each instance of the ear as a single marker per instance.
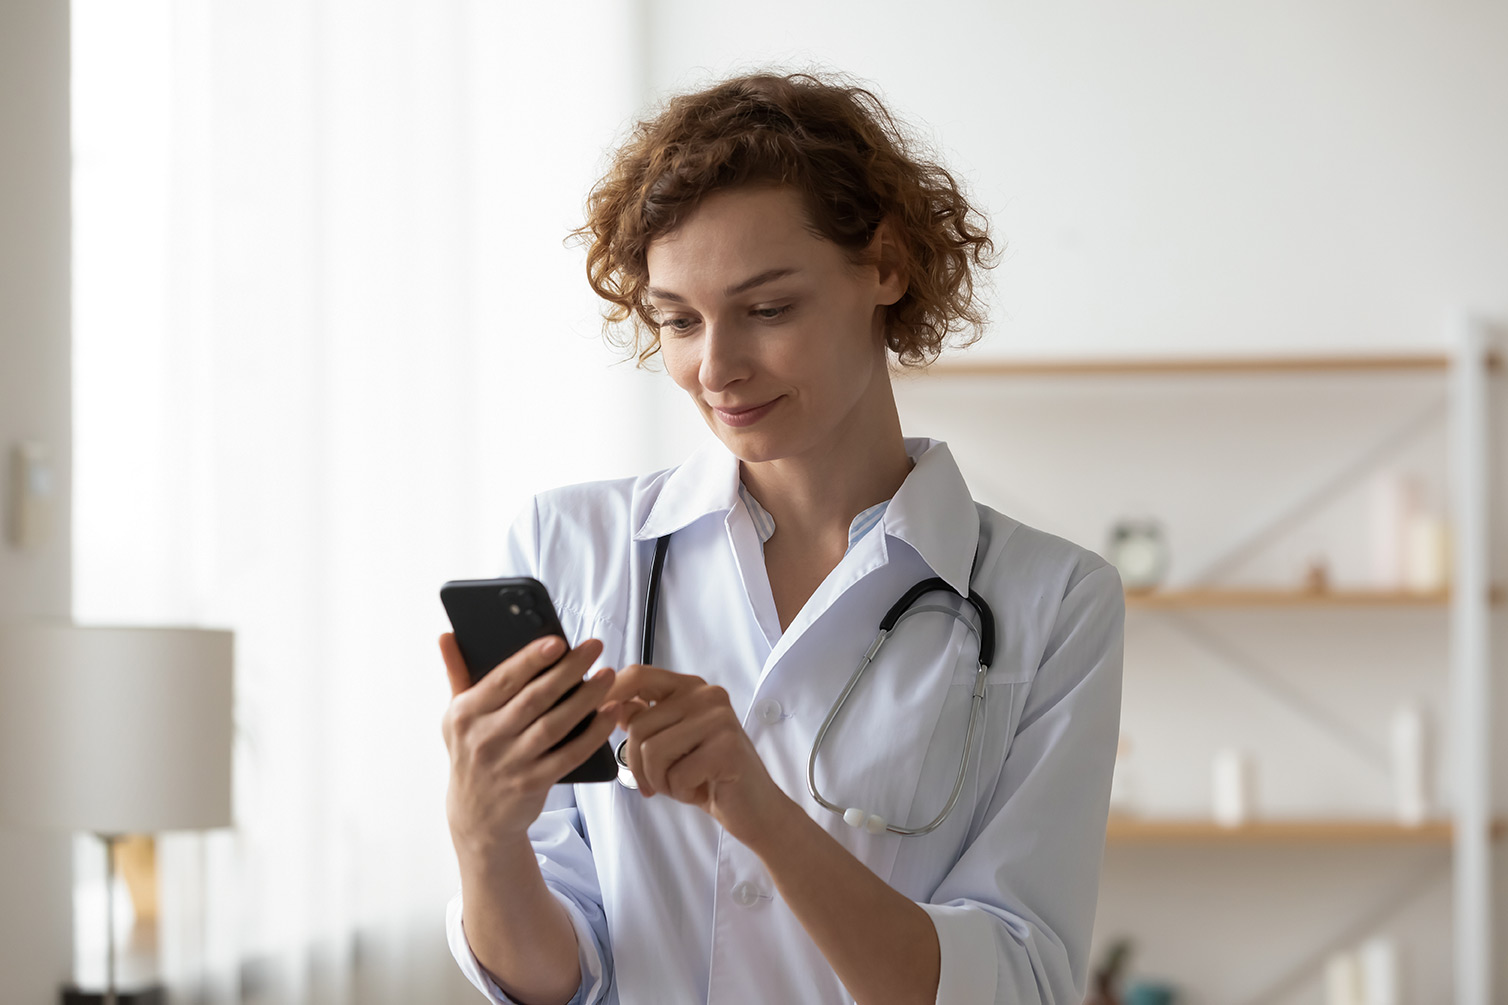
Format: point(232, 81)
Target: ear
point(889, 259)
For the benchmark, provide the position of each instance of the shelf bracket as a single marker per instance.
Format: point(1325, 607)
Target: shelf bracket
point(1300, 704)
point(1311, 498)
point(1367, 922)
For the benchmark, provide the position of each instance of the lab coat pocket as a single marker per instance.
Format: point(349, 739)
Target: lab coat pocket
point(902, 728)
point(582, 625)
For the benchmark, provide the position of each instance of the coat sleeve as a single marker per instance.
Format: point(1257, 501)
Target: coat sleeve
point(1015, 914)
point(560, 846)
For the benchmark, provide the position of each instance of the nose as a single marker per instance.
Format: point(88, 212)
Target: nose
point(723, 361)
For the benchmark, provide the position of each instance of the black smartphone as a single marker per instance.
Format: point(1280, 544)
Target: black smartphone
point(495, 618)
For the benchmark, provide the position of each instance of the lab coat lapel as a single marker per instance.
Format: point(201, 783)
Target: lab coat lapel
point(932, 512)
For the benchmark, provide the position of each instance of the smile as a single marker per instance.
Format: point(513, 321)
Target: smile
point(744, 416)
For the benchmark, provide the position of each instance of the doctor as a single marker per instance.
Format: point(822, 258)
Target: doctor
point(780, 245)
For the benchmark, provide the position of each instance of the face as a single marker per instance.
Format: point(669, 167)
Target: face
point(772, 331)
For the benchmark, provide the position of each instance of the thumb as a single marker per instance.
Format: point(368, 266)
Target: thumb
point(455, 666)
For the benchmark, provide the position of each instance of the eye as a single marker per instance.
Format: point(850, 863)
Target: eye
point(676, 324)
point(770, 313)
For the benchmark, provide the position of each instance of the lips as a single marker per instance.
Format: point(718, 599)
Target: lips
point(745, 415)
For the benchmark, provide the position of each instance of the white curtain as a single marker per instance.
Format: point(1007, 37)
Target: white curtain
point(328, 339)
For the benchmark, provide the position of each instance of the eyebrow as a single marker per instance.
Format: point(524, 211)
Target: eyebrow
point(768, 276)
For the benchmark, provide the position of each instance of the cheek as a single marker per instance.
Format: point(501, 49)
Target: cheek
point(682, 366)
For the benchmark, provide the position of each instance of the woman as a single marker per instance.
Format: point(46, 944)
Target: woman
point(775, 241)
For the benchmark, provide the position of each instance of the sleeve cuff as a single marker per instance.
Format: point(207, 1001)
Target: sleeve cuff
point(967, 970)
point(587, 956)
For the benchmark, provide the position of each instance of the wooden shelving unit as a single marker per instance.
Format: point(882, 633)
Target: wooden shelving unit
point(1467, 367)
point(1143, 831)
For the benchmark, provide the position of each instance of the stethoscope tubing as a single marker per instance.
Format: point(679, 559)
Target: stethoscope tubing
point(871, 822)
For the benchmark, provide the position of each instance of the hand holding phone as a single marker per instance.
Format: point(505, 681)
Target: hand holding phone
point(495, 620)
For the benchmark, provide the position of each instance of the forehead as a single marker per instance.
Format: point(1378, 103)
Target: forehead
point(735, 233)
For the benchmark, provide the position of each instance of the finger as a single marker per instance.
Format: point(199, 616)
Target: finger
point(541, 694)
point(647, 723)
point(455, 666)
point(645, 720)
point(650, 683)
point(558, 763)
point(662, 751)
point(555, 723)
point(629, 710)
point(694, 777)
point(505, 680)
point(635, 763)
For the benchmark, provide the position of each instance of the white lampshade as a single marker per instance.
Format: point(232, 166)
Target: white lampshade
point(115, 730)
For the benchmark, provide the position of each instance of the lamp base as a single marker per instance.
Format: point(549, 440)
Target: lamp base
point(150, 994)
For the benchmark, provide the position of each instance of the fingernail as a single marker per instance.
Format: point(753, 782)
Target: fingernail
point(601, 672)
point(551, 646)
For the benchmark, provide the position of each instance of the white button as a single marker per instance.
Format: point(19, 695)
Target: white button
point(768, 711)
point(746, 895)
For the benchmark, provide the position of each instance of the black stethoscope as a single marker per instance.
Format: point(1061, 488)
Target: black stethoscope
point(900, 611)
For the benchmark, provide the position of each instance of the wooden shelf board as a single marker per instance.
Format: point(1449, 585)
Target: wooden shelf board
point(1174, 365)
point(1273, 597)
point(1137, 830)
point(1277, 597)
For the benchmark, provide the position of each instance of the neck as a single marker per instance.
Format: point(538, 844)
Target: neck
point(814, 496)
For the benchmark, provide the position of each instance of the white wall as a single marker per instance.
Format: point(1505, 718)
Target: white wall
point(1185, 177)
point(36, 933)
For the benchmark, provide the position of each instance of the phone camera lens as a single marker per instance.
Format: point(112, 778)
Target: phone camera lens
point(516, 599)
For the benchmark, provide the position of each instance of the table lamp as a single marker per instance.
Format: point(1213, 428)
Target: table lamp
point(115, 731)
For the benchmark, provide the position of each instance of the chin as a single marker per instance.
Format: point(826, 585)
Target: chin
point(755, 447)
point(751, 449)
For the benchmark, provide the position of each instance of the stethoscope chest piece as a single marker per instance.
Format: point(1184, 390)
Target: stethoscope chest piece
point(625, 775)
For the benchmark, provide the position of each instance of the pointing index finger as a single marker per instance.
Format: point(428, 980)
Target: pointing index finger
point(648, 683)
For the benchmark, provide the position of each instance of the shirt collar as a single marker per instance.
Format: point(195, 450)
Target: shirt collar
point(764, 523)
point(932, 511)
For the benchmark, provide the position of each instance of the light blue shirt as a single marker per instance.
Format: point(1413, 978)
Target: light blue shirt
point(764, 523)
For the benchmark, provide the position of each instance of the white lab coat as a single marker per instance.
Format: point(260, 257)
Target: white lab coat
point(668, 908)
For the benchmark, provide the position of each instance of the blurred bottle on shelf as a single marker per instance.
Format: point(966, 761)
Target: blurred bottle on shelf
point(1380, 983)
point(1427, 558)
point(1367, 974)
point(1409, 740)
point(1410, 539)
point(1233, 784)
point(1123, 781)
point(1395, 498)
point(1343, 982)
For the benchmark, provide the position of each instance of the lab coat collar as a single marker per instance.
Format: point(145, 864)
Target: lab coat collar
point(705, 483)
point(932, 511)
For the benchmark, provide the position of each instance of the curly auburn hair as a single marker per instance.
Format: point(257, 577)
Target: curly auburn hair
point(838, 146)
